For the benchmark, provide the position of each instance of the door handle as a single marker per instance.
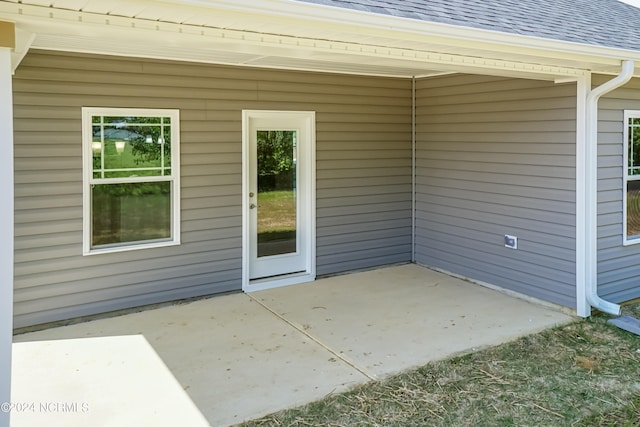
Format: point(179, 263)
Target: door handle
point(252, 206)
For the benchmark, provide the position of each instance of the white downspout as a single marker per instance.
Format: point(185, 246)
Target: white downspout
point(591, 189)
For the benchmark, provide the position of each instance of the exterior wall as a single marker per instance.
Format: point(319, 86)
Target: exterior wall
point(618, 270)
point(496, 156)
point(363, 177)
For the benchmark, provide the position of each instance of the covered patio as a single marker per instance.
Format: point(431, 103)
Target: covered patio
point(439, 142)
point(223, 360)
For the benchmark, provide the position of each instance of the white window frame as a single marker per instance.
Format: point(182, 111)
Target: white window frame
point(626, 240)
point(88, 180)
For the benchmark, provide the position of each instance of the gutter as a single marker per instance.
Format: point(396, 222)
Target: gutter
point(405, 29)
point(591, 190)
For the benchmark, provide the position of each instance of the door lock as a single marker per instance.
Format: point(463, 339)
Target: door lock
point(252, 206)
point(250, 194)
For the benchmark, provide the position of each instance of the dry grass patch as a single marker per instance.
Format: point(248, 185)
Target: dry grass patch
point(581, 374)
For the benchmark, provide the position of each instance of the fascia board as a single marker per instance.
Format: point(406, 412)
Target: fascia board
point(107, 40)
point(405, 26)
point(68, 21)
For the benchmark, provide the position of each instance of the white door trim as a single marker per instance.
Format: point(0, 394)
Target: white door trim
point(309, 171)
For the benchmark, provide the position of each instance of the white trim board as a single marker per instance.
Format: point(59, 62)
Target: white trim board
point(6, 230)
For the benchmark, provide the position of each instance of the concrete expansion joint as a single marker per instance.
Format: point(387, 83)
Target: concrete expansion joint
point(305, 332)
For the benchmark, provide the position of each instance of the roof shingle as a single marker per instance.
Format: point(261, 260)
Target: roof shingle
point(607, 23)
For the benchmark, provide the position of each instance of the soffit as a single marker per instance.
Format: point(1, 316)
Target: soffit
point(223, 32)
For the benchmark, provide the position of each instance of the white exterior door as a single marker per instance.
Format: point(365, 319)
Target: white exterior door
point(279, 198)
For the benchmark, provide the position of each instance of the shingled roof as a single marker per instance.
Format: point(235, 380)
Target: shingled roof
point(607, 23)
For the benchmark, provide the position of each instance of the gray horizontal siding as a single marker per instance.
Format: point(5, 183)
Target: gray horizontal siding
point(496, 156)
point(363, 177)
point(363, 184)
point(618, 265)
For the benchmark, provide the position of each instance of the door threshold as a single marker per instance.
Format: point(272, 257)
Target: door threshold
point(264, 283)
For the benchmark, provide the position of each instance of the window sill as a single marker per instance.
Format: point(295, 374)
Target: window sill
point(631, 241)
point(128, 248)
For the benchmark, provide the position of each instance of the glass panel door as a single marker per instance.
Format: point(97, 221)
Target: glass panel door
point(279, 205)
point(277, 196)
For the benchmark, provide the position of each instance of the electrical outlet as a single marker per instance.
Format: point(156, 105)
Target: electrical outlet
point(510, 242)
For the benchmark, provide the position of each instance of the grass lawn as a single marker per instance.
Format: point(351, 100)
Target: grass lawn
point(586, 373)
point(276, 215)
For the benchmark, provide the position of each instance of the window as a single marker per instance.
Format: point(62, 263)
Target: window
point(631, 197)
point(131, 178)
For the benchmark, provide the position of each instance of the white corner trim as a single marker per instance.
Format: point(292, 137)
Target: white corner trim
point(6, 230)
point(413, 169)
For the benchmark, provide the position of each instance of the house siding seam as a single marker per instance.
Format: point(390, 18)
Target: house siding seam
point(496, 156)
point(618, 272)
point(363, 177)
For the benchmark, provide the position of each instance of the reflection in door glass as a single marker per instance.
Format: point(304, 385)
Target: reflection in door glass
point(276, 154)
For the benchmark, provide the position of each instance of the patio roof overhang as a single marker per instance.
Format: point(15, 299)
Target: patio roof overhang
point(287, 34)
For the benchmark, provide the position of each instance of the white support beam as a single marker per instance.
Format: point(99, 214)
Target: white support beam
point(6, 229)
point(583, 86)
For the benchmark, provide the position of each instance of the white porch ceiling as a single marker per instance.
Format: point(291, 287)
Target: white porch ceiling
point(276, 34)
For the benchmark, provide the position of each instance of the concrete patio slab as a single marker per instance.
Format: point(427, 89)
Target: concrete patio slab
point(115, 381)
point(387, 320)
point(235, 359)
point(242, 356)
